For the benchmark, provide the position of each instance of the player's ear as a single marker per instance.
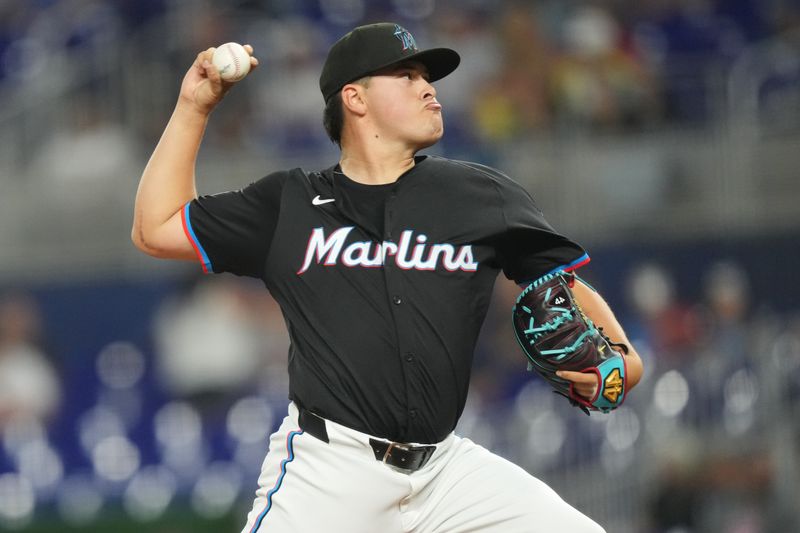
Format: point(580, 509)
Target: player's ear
point(353, 98)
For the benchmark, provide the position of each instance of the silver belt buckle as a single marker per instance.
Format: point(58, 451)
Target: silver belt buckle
point(391, 446)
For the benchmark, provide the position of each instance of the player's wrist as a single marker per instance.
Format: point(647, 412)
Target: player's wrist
point(189, 112)
point(635, 368)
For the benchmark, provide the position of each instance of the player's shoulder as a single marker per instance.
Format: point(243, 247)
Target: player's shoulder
point(472, 170)
point(267, 188)
point(281, 176)
point(298, 176)
point(491, 183)
point(275, 178)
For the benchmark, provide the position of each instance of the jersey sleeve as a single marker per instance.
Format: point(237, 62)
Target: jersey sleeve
point(528, 247)
point(232, 231)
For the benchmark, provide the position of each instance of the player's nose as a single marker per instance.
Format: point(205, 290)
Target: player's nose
point(428, 91)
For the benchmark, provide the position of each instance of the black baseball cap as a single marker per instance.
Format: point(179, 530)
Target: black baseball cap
point(375, 46)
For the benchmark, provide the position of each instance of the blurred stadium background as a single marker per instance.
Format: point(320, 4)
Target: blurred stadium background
point(664, 135)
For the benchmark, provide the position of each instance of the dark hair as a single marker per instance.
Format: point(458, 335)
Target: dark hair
point(333, 118)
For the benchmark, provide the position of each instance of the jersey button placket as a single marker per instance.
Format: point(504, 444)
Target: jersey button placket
point(394, 283)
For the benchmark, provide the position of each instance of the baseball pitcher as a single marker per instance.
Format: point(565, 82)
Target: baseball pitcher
point(383, 265)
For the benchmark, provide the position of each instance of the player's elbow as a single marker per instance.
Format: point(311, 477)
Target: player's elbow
point(147, 243)
point(163, 241)
point(142, 243)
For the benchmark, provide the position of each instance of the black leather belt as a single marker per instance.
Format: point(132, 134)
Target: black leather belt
point(403, 456)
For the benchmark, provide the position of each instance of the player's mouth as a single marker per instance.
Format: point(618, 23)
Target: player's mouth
point(434, 106)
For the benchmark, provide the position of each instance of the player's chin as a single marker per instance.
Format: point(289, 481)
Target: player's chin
point(435, 133)
point(427, 142)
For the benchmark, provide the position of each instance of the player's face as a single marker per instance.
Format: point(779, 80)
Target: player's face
point(403, 105)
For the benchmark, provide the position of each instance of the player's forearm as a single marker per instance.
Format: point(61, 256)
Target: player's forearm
point(634, 366)
point(600, 313)
point(168, 180)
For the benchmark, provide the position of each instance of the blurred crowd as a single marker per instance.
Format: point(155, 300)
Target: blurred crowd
point(183, 409)
point(529, 66)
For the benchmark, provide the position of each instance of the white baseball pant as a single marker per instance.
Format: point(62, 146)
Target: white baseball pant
point(308, 486)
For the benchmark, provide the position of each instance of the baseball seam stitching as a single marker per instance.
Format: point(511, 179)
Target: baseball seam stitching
point(235, 61)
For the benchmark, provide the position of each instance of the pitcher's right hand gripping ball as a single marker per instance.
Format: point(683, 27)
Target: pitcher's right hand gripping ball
point(203, 88)
point(232, 61)
point(556, 335)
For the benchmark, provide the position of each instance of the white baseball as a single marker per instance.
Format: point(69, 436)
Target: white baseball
point(232, 61)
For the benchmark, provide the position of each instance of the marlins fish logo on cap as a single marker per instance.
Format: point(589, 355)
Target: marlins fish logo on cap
point(405, 37)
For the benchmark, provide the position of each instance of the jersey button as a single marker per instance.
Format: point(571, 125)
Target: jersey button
point(410, 357)
point(396, 300)
point(412, 413)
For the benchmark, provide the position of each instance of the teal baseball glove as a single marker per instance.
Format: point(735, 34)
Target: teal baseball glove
point(556, 335)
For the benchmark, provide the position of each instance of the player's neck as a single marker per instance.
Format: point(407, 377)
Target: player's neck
point(377, 166)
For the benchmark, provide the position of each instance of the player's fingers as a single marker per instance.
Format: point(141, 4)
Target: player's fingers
point(253, 59)
point(577, 377)
point(211, 72)
point(585, 382)
point(218, 85)
point(203, 56)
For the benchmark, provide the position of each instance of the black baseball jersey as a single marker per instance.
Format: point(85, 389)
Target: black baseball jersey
point(383, 300)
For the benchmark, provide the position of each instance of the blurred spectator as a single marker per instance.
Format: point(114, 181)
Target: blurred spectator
point(88, 152)
point(727, 294)
point(515, 100)
point(290, 105)
point(211, 342)
point(29, 384)
point(597, 83)
point(726, 344)
point(669, 328)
